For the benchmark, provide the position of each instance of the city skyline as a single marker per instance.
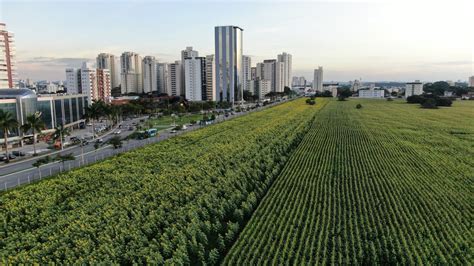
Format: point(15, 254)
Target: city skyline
point(359, 39)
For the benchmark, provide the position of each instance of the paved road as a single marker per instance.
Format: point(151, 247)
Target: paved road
point(22, 172)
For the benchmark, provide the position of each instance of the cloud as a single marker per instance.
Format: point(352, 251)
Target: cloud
point(54, 61)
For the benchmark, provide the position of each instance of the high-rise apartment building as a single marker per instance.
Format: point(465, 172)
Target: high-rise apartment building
point(73, 81)
point(175, 78)
point(274, 71)
point(259, 71)
point(8, 75)
point(471, 81)
point(298, 81)
point(253, 73)
point(109, 61)
point(150, 74)
point(286, 59)
point(104, 86)
point(163, 78)
point(413, 88)
point(228, 60)
point(210, 78)
point(188, 52)
point(318, 79)
point(246, 70)
point(131, 73)
point(89, 81)
point(195, 78)
point(279, 77)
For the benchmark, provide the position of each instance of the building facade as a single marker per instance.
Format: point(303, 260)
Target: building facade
point(89, 81)
point(163, 78)
point(8, 74)
point(150, 74)
point(210, 78)
point(228, 61)
point(175, 78)
point(67, 110)
point(108, 61)
point(104, 86)
point(413, 88)
point(195, 78)
point(73, 80)
point(371, 93)
point(246, 70)
point(471, 81)
point(286, 59)
point(131, 73)
point(318, 79)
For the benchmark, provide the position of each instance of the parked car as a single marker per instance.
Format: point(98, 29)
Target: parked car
point(118, 132)
point(130, 128)
point(99, 140)
point(18, 153)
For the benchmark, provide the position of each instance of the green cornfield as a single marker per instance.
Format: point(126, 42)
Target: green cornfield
point(389, 183)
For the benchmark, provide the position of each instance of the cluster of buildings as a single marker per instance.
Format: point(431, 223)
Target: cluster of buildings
point(222, 76)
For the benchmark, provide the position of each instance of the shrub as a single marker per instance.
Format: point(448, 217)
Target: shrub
point(443, 102)
point(390, 99)
point(358, 106)
point(429, 103)
point(415, 99)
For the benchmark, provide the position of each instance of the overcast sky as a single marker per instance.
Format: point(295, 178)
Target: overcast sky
point(372, 40)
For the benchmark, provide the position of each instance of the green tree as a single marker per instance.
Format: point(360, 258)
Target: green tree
point(7, 122)
point(36, 125)
point(65, 157)
point(116, 141)
point(94, 112)
point(60, 133)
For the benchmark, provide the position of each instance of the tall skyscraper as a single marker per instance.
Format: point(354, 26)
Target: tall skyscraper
point(286, 59)
point(318, 79)
point(8, 75)
point(471, 81)
point(163, 78)
point(175, 78)
point(195, 78)
point(108, 61)
point(210, 78)
point(150, 74)
point(246, 70)
point(73, 81)
point(259, 70)
point(228, 59)
point(188, 52)
point(131, 73)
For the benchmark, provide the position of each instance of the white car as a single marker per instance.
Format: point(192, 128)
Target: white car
point(117, 132)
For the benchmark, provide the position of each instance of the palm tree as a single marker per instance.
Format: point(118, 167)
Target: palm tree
point(94, 112)
point(36, 124)
point(60, 134)
point(7, 122)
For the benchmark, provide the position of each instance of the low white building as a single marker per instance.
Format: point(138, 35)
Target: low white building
point(413, 88)
point(371, 93)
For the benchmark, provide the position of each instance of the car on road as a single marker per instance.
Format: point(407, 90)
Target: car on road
point(3, 157)
point(130, 128)
point(18, 153)
point(117, 132)
point(99, 140)
point(173, 131)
